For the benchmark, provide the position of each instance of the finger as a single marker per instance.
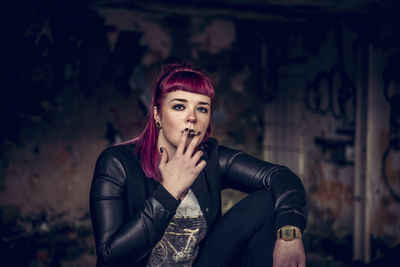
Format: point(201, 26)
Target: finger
point(164, 156)
point(192, 145)
point(202, 164)
point(302, 263)
point(182, 141)
point(197, 156)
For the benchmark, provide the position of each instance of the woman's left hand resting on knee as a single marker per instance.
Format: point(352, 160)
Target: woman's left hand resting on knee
point(289, 253)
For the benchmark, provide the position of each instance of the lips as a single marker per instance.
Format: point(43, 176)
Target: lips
point(192, 133)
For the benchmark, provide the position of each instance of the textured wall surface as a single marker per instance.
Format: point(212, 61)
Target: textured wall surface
point(285, 93)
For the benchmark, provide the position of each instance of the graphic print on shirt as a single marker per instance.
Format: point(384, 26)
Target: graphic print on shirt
point(180, 243)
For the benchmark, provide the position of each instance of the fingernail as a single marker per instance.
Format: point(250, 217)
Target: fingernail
point(186, 129)
point(161, 149)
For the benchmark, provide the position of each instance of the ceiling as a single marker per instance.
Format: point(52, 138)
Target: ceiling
point(277, 10)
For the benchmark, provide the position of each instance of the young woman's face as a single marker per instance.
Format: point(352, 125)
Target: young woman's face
point(180, 110)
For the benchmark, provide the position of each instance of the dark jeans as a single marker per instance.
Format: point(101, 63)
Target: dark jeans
point(244, 236)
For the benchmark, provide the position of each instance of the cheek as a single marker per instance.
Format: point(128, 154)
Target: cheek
point(171, 126)
point(169, 123)
point(205, 122)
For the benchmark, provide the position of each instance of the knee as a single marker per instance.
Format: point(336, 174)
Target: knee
point(262, 204)
point(257, 207)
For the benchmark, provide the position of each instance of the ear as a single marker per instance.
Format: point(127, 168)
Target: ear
point(156, 114)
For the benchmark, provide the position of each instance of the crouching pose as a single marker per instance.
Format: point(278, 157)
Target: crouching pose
point(156, 200)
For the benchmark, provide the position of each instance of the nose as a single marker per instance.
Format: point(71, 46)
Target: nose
point(191, 117)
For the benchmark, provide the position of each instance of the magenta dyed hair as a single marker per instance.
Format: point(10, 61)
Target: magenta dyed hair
point(173, 77)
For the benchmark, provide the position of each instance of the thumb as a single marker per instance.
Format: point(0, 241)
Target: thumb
point(164, 156)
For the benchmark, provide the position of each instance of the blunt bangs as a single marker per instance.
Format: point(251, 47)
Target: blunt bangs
point(191, 82)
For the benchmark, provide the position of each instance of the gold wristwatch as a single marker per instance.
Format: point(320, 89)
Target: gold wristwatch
point(288, 233)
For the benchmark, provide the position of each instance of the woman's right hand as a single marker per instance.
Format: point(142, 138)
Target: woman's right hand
point(179, 172)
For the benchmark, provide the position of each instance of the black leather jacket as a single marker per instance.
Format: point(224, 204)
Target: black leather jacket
point(131, 212)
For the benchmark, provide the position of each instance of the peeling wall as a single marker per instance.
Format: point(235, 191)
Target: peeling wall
point(87, 85)
point(383, 209)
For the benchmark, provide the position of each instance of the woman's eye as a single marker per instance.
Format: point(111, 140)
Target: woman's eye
point(178, 107)
point(202, 109)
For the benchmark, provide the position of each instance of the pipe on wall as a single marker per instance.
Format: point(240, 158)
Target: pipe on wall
point(359, 221)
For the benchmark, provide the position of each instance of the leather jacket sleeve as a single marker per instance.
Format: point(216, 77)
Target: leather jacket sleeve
point(120, 239)
point(245, 173)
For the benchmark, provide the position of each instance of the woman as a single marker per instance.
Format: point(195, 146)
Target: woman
point(155, 200)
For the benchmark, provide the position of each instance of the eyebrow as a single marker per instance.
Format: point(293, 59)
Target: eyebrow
point(184, 100)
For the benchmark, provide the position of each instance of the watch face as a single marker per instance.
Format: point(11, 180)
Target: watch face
point(288, 233)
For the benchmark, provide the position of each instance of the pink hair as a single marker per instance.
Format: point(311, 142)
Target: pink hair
point(172, 77)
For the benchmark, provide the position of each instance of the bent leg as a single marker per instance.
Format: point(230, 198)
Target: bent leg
point(243, 236)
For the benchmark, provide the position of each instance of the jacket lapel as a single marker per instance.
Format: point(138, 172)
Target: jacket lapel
point(202, 193)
